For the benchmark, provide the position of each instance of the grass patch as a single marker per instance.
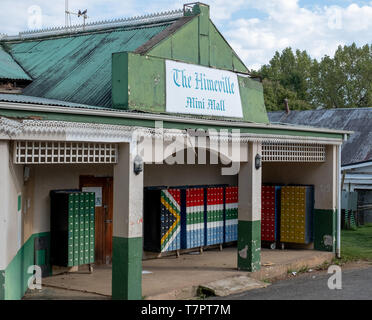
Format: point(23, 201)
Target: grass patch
point(335, 261)
point(303, 269)
point(204, 293)
point(357, 244)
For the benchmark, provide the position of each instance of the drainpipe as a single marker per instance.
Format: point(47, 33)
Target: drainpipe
point(338, 249)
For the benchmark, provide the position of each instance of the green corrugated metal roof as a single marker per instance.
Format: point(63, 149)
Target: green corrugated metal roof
point(20, 98)
point(9, 69)
point(77, 68)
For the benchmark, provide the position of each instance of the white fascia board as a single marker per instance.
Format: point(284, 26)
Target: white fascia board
point(358, 181)
point(357, 166)
point(161, 117)
point(362, 187)
point(49, 130)
point(358, 176)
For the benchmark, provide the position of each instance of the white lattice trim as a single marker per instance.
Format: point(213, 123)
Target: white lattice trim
point(293, 152)
point(42, 130)
point(47, 152)
point(10, 127)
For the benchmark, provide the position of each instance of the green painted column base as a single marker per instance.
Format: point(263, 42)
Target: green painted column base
point(325, 222)
point(2, 285)
point(16, 274)
point(249, 245)
point(126, 268)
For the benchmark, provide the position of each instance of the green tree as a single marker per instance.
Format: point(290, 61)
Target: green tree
point(287, 76)
point(344, 81)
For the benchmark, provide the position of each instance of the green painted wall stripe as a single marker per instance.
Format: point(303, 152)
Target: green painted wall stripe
point(325, 224)
point(15, 275)
point(19, 206)
point(151, 123)
point(126, 268)
point(2, 285)
point(249, 245)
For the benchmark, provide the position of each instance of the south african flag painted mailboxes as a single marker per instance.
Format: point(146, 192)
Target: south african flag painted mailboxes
point(162, 219)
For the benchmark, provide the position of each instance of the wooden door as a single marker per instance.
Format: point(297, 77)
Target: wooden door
point(104, 216)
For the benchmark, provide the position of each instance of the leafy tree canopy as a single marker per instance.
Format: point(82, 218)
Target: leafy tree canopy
point(344, 81)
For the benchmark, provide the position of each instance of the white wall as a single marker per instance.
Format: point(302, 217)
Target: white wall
point(322, 175)
point(180, 175)
point(10, 186)
point(35, 216)
point(52, 177)
point(44, 178)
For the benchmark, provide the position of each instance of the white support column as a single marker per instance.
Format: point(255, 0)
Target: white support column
point(128, 222)
point(13, 259)
point(249, 224)
point(339, 192)
point(4, 200)
point(4, 214)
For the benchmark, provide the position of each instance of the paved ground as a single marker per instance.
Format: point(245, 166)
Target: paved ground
point(356, 285)
point(178, 278)
point(48, 293)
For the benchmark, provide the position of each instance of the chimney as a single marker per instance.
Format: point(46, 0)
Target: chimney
point(196, 8)
point(287, 106)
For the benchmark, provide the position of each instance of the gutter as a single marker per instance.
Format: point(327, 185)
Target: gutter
point(357, 165)
point(158, 117)
point(339, 187)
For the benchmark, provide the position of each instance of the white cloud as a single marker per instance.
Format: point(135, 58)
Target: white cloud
point(319, 31)
point(14, 14)
point(223, 10)
point(282, 23)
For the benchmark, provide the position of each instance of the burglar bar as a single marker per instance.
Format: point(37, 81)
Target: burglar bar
point(49, 152)
point(293, 152)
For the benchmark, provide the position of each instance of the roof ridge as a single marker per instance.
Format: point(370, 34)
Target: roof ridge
point(325, 109)
point(98, 25)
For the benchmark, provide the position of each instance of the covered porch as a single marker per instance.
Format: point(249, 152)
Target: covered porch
point(35, 177)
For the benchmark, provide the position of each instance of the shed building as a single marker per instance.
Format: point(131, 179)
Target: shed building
point(356, 151)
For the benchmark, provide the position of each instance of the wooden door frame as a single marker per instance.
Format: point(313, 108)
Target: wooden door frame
point(107, 184)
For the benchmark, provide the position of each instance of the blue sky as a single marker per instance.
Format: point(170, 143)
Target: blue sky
point(254, 28)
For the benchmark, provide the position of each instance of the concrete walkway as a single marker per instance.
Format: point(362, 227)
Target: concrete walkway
point(356, 285)
point(179, 278)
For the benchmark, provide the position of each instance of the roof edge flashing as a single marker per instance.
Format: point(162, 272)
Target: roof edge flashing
point(97, 26)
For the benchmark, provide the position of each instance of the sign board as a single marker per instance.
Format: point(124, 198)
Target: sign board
point(197, 90)
point(98, 193)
